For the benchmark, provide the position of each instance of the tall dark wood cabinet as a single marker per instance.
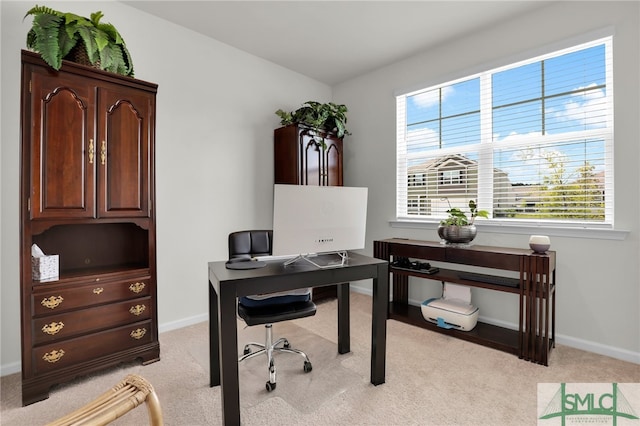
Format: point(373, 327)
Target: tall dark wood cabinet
point(87, 195)
point(301, 159)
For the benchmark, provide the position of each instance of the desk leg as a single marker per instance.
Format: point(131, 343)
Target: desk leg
point(214, 339)
point(228, 332)
point(344, 320)
point(379, 324)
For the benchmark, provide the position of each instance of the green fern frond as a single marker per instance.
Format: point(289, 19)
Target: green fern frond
point(95, 17)
point(111, 59)
point(45, 38)
point(37, 10)
point(127, 59)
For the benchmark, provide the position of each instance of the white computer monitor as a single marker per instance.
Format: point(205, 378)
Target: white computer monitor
point(318, 219)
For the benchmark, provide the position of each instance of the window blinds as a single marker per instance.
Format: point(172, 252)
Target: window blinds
point(531, 141)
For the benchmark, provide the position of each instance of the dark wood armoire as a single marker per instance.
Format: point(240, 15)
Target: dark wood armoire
point(87, 195)
point(304, 157)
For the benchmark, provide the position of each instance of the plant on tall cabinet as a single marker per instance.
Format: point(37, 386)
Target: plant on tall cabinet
point(458, 228)
point(62, 35)
point(322, 118)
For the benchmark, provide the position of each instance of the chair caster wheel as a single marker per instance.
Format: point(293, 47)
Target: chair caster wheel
point(307, 367)
point(286, 344)
point(247, 350)
point(270, 386)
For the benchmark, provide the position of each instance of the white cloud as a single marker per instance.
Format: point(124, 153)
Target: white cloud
point(587, 108)
point(431, 98)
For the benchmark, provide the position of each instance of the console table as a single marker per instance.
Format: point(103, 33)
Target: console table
point(535, 286)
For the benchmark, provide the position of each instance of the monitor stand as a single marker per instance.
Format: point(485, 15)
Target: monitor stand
point(322, 260)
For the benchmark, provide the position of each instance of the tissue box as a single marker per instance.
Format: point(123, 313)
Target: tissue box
point(45, 268)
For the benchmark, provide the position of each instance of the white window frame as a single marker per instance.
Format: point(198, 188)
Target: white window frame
point(485, 175)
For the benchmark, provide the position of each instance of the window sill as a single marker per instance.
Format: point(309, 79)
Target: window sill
point(552, 231)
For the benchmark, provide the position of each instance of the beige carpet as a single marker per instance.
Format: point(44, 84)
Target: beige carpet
point(431, 379)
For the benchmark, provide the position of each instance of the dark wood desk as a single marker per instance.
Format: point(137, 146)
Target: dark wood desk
point(225, 286)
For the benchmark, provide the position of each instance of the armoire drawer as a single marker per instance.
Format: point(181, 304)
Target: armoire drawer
point(68, 324)
point(76, 350)
point(95, 293)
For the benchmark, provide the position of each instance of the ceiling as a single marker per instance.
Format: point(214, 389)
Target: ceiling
point(334, 41)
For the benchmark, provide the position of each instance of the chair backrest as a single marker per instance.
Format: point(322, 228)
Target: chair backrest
point(250, 243)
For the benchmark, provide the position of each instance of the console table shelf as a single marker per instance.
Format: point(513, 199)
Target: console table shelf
point(484, 334)
point(451, 276)
point(535, 287)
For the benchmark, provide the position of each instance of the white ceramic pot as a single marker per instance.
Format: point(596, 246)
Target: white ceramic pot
point(539, 243)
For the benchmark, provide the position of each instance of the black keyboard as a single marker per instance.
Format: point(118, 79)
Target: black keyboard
point(489, 279)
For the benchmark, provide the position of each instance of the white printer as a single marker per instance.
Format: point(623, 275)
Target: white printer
point(453, 309)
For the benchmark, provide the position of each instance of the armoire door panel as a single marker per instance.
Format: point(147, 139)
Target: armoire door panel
point(312, 163)
point(333, 164)
point(62, 177)
point(124, 151)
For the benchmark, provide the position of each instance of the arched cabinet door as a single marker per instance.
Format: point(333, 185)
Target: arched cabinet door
point(123, 152)
point(333, 162)
point(61, 146)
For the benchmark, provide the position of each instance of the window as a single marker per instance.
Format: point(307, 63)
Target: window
point(530, 142)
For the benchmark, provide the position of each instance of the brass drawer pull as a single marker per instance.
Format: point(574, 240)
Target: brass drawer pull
point(53, 356)
point(137, 310)
point(138, 333)
point(53, 328)
point(52, 302)
point(137, 287)
point(98, 290)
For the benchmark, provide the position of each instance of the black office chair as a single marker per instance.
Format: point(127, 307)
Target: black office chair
point(268, 308)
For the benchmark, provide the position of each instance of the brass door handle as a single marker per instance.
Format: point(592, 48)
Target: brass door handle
point(91, 151)
point(103, 153)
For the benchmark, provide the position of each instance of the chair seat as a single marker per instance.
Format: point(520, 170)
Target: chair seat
point(275, 313)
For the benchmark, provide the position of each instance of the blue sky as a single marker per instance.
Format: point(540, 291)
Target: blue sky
point(572, 95)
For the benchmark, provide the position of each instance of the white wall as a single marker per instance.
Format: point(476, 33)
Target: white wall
point(598, 282)
point(214, 151)
point(214, 171)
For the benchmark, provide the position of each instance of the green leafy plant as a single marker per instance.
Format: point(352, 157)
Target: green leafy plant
point(54, 34)
point(458, 218)
point(328, 117)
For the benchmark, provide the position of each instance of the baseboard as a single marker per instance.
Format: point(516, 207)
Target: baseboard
point(573, 342)
point(12, 368)
point(185, 322)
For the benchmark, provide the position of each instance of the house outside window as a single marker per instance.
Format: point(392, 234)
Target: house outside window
point(530, 142)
